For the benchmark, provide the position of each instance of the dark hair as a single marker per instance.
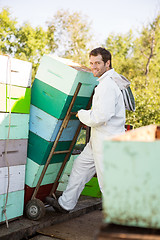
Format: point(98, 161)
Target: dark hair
point(106, 55)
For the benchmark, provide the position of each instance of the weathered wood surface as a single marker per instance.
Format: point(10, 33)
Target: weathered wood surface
point(119, 232)
point(145, 134)
point(16, 152)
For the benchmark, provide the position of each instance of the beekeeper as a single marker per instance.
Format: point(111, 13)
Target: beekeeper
point(106, 118)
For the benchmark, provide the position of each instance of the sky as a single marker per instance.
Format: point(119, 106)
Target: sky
point(106, 16)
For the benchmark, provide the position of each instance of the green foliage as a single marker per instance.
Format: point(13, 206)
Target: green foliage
point(7, 32)
point(121, 47)
point(72, 35)
point(24, 42)
point(68, 34)
point(147, 102)
point(139, 60)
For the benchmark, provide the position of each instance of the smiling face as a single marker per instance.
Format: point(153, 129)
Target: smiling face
point(97, 65)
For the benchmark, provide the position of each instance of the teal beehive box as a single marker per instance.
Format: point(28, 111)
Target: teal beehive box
point(55, 83)
point(132, 179)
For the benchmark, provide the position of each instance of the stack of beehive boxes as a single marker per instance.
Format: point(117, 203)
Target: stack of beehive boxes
point(52, 91)
point(15, 92)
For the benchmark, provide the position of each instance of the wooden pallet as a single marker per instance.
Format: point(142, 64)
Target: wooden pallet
point(119, 232)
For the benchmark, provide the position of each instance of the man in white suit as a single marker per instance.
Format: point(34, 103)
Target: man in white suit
point(106, 118)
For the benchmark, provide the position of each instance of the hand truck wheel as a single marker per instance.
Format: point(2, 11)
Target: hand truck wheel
point(35, 209)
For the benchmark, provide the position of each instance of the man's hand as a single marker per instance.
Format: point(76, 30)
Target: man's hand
point(77, 115)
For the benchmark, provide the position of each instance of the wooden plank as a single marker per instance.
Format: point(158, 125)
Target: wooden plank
point(47, 126)
point(131, 186)
point(14, 208)
point(53, 101)
point(122, 236)
point(145, 134)
point(16, 152)
point(39, 149)
point(64, 75)
point(33, 172)
point(20, 74)
point(16, 176)
point(117, 232)
point(18, 128)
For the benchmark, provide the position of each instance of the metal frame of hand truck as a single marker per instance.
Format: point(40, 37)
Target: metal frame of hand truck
point(35, 208)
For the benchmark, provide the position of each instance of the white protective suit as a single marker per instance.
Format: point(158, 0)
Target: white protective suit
point(106, 118)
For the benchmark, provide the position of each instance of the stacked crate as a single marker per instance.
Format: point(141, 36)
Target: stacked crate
point(15, 92)
point(52, 91)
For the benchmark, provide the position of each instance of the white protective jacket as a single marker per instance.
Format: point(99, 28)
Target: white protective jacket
point(106, 117)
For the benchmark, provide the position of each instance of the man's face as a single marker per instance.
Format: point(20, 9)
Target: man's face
point(98, 67)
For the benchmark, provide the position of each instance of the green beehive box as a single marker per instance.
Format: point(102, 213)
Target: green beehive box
point(132, 179)
point(92, 188)
point(44, 147)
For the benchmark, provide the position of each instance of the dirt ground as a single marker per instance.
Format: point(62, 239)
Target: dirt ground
point(84, 227)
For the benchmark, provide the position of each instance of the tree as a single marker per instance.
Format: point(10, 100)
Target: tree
point(121, 47)
point(31, 44)
point(72, 35)
point(7, 32)
point(146, 46)
point(139, 60)
point(24, 42)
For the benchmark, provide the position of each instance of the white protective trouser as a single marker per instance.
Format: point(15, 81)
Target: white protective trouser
point(106, 118)
point(83, 170)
